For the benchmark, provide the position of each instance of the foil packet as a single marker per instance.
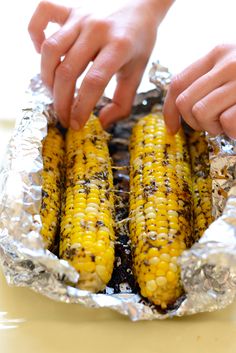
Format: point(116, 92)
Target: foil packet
point(208, 269)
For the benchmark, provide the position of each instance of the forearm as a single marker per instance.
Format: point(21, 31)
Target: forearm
point(158, 8)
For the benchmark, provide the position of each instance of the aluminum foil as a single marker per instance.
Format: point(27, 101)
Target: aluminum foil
point(160, 76)
point(208, 270)
point(223, 170)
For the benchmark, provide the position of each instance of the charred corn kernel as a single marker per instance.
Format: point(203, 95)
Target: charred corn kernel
point(202, 184)
point(89, 199)
point(164, 185)
point(52, 178)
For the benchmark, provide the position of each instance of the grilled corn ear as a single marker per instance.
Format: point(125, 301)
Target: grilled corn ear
point(53, 159)
point(87, 227)
point(160, 208)
point(202, 183)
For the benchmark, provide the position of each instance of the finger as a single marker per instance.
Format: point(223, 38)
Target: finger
point(45, 12)
point(208, 109)
point(203, 86)
point(123, 98)
point(178, 85)
point(54, 48)
point(108, 62)
point(75, 62)
point(228, 121)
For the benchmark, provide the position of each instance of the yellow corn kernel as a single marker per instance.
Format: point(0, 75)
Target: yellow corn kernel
point(164, 190)
point(52, 179)
point(202, 184)
point(89, 205)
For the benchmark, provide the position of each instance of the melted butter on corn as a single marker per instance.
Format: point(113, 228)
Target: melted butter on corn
point(87, 227)
point(160, 208)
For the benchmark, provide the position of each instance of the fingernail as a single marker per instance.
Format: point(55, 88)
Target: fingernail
point(169, 130)
point(106, 125)
point(74, 124)
point(38, 48)
point(64, 123)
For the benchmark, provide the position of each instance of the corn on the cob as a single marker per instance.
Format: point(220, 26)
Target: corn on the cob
point(202, 183)
point(53, 159)
point(160, 208)
point(87, 234)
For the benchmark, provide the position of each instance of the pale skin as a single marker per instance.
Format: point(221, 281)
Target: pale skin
point(117, 44)
point(204, 94)
point(120, 43)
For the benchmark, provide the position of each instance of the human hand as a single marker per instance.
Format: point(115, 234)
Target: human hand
point(204, 94)
point(120, 43)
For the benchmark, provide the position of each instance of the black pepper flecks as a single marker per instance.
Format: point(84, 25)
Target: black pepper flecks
point(122, 277)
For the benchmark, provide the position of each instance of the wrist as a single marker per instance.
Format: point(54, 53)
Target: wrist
point(157, 9)
point(160, 7)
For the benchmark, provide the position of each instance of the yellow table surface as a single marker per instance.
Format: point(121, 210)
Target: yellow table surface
point(47, 326)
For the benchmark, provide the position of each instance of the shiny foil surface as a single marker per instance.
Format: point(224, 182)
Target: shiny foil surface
point(208, 270)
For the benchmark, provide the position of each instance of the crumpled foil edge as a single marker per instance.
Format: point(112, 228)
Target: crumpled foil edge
point(208, 269)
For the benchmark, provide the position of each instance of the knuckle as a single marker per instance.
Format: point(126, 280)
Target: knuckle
point(40, 10)
point(182, 102)
point(220, 49)
point(43, 5)
point(209, 76)
point(95, 79)
point(31, 27)
point(122, 43)
point(225, 119)
point(217, 50)
point(50, 46)
point(230, 66)
point(176, 84)
point(64, 72)
point(199, 111)
point(97, 24)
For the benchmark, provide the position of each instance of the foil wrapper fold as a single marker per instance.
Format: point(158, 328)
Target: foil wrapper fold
point(223, 170)
point(208, 269)
point(160, 76)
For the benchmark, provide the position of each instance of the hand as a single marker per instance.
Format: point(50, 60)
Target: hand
point(204, 94)
point(120, 43)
